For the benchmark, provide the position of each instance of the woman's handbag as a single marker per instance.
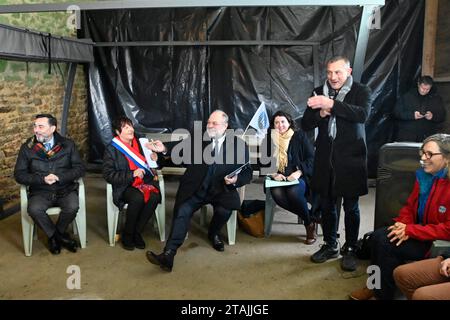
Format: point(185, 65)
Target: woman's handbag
point(364, 246)
point(251, 217)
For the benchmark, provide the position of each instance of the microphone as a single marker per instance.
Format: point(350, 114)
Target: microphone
point(422, 163)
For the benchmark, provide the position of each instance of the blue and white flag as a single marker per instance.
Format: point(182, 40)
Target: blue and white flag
point(260, 121)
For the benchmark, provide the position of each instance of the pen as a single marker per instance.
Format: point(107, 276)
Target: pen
point(314, 92)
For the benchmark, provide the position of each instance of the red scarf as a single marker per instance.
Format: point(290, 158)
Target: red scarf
point(138, 183)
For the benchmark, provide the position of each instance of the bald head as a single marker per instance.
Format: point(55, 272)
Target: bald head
point(217, 124)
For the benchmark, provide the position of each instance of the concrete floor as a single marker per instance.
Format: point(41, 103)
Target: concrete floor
point(277, 267)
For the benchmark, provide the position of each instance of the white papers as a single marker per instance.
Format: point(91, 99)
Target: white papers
point(269, 183)
point(147, 153)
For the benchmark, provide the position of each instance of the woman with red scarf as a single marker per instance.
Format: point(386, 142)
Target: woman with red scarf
point(133, 182)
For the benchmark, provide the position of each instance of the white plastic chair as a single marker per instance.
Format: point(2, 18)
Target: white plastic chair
point(269, 212)
point(79, 227)
point(231, 224)
point(113, 211)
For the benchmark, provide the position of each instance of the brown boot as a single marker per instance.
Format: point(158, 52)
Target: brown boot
point(362, 294)
point(311, 235)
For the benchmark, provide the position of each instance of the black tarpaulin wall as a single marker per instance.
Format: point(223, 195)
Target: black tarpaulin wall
point(169, 87)
point(393, 63)
point(34, 46)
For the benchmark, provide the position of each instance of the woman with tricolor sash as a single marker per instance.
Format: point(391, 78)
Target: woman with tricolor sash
point(132, 180)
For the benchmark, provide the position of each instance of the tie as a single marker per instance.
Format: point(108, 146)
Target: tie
point(213, 149)
point(47, 146)
point(206, 184)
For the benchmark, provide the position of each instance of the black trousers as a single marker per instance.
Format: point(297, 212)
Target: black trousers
point(330, 220)
point(387, 256)
point(138, 212)
point(182, 218)
point(293, 199)
point(39, 203)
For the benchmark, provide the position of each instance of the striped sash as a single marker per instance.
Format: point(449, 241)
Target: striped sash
point(136, 158)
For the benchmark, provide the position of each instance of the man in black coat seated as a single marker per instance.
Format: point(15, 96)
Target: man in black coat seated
point(50, 165)
point(420, 112)
point(205, 181)
point(339, 109)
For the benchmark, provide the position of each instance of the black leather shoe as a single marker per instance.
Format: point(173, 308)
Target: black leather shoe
point(127, 242)
point(67, 242)
point(53, 245)
point(164, 260)
point(138, 241)
point(217, 243)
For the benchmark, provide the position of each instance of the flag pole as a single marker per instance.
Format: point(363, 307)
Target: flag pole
point(245, 130)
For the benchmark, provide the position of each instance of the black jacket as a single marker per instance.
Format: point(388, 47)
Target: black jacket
point(409, 129)
point(341, 163)
point(191, 181)
point(31, 169)
point(117, 172)
point(300, 154)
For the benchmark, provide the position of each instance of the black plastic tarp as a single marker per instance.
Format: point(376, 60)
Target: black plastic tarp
point(393, 63)
point(27, 45)
point(169, 87)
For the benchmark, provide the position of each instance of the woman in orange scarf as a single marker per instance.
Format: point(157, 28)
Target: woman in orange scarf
point(294, 157)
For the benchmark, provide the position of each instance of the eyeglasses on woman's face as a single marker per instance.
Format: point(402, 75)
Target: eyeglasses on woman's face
point(428, 154)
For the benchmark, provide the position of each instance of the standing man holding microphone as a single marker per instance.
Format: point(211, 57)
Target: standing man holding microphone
point(339, 109)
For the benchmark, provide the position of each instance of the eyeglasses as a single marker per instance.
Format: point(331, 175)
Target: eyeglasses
point(215, 123)
point(428, 154)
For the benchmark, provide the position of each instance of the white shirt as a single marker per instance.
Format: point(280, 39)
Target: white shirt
point(220, 142)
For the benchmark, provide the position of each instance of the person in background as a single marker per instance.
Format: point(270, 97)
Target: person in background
point(133, 182)
point(50, 165)
point(419, 112)
point(424, 218)
point(294, 156)
point(425, 280)
point(339, 109)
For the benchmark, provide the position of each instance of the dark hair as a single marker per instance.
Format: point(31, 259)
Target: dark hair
point(51, 119)
point(282, 114)
point(119, 123)
point(425, 80)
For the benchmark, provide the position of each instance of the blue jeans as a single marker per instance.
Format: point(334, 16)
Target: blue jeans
point(330, 220)
point(293, 199)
